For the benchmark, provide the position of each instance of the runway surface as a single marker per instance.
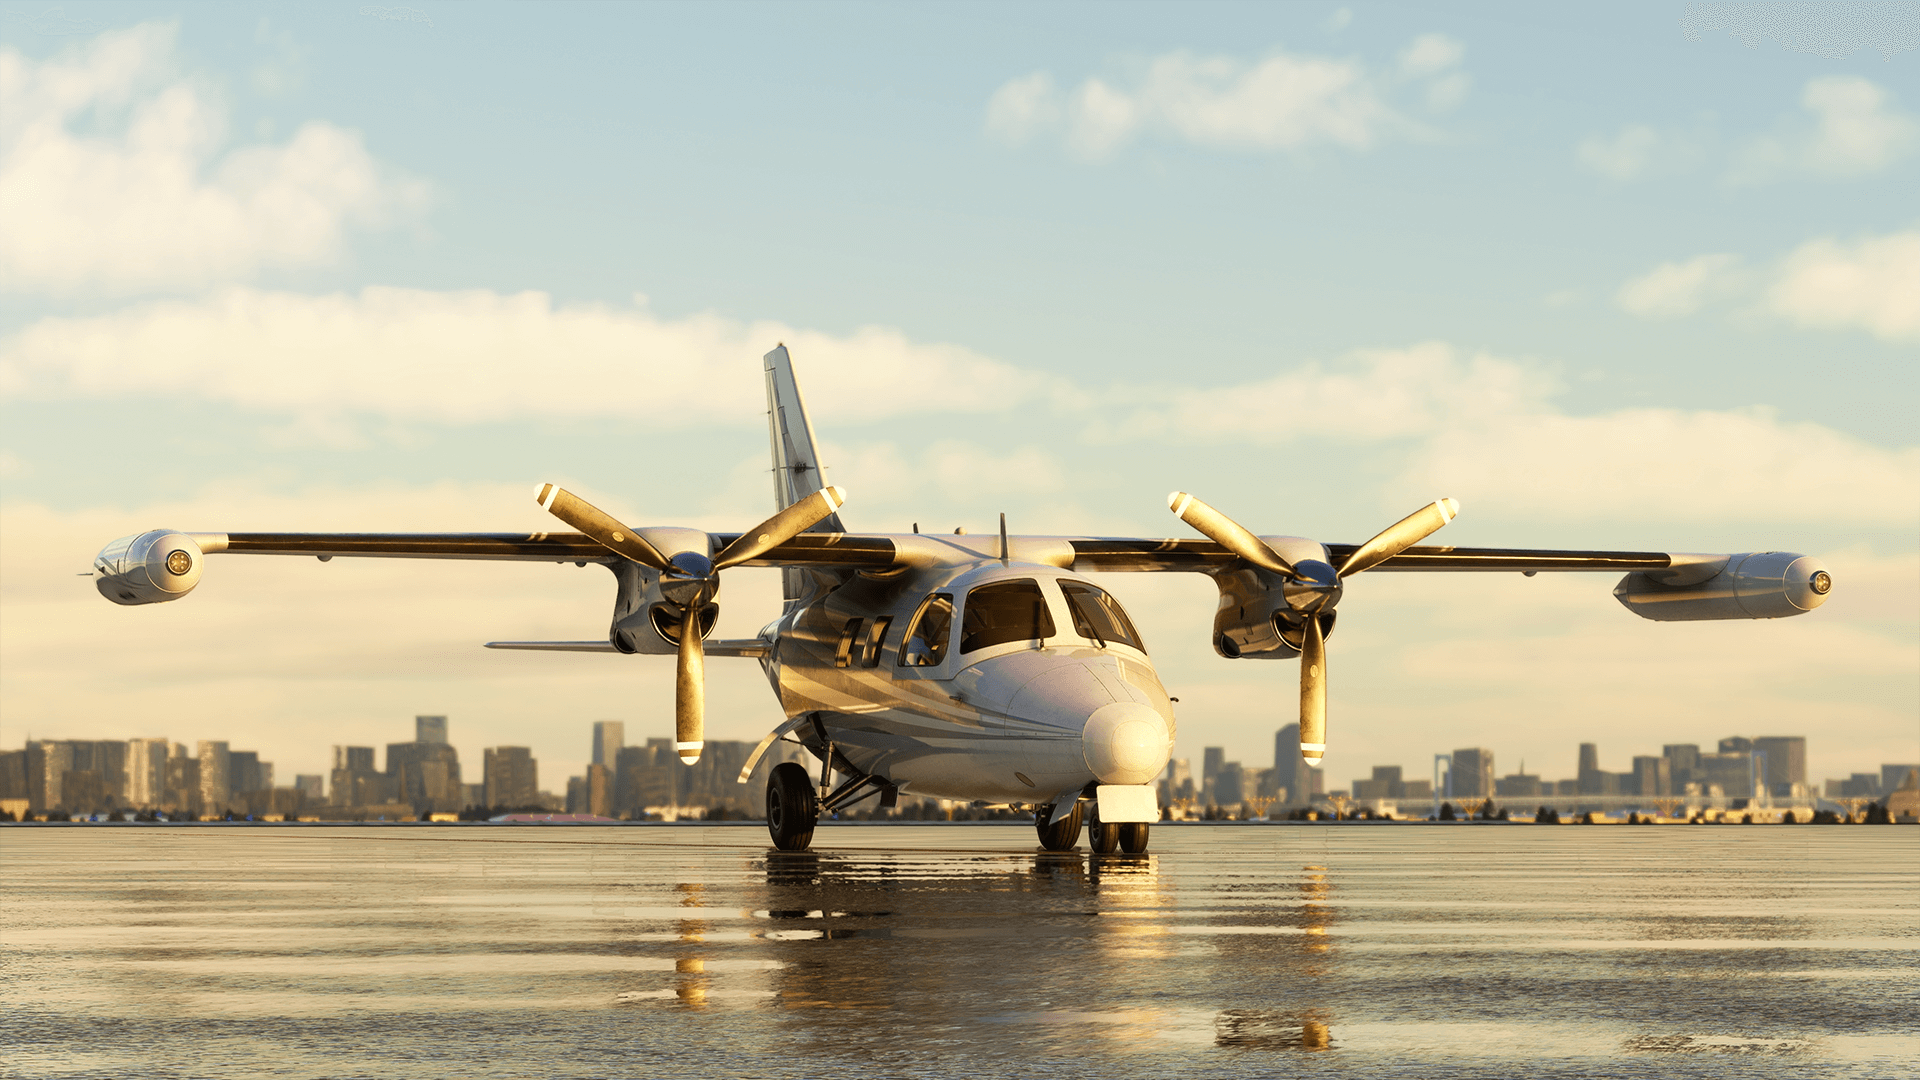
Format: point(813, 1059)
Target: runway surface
point(1297, 950)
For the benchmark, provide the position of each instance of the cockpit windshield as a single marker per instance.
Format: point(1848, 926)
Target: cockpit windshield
point(1005, 611)
point(1098, 616)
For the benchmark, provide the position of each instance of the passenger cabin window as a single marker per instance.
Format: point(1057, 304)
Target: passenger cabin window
point(1098, 617)
point(926, 642)
point(1005, 611)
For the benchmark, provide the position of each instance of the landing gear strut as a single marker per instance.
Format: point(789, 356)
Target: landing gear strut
point(793, 807)
point(1059, 835)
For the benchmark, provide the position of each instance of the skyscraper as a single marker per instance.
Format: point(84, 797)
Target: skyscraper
point(146, 772)
point(1291, 771)
point(216, 786)
point(425, 776)
point(1211, 759)
point(430, 729)
point(608, 737)
point(1473, 773)
point(1786, 762)
point(512, 777)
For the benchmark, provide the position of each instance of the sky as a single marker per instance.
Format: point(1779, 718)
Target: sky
point(1634, 276)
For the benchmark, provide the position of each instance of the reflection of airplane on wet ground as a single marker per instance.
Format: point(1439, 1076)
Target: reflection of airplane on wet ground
point(972, 667)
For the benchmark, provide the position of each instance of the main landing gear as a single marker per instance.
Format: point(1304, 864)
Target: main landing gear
point(792, 807)
point(1103, 837)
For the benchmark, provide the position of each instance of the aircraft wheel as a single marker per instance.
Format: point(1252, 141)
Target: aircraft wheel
point(1059, 835)
point(1133, 837)
point(792, 807)
point(1103, 838)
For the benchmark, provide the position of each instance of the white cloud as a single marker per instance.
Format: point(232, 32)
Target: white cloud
point(1023, 107)
point(147, 201)
point(1855, 130)
point(1625, 156)
point(463, 357)
point(1681, 288)
point(1487, 431)
point(1281, 102)
point(1430, 54)
point(1871, 285)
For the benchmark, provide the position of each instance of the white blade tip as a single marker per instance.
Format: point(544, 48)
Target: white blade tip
point(1177, 502)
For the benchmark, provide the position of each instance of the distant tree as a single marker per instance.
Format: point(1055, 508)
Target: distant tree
point(1586, 818)
point(6, 815)
point(1446, 812)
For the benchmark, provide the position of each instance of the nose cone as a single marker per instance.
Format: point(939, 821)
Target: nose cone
point(1126, 743)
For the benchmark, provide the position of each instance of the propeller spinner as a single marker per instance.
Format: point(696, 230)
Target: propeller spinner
point(1312, 589)
point(690, 580)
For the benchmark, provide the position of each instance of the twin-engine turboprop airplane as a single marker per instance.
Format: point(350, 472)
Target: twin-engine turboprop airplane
point(983, 668)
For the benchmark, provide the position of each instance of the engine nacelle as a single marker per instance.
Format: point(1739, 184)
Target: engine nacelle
point(644, 620)
point(1254, 620)
point(1758, 585)
point(150, 568)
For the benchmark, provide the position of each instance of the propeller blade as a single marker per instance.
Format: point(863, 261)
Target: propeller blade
point(1228, 533)
point(781, 528)
point(689, 691)
point(1313, 693)
point(1400, 536)
point(599, 526)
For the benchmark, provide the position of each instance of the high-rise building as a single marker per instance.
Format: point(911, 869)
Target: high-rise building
point(1291, 770)
point(512, 777)
point(1211, 760)
point(183, 781)
point(1736, 744)
point(1894, 777)
point(1652, 776)
point(246, 772)
point(1786, 763)
point(425, 776)
point(430, 729)
point(355, 782)
point(312, 787)
point(608, 737)
point(1473, 773)
point(1230, 784)
point(216, 784)
point(13, 774)
point(1731, 772)
point(599, 790)
point(147, 773)
point(1682, 755)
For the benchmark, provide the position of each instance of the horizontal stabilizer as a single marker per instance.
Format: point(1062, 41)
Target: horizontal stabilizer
point(754, 647)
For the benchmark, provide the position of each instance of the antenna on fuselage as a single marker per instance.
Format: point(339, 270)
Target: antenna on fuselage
point(1006, 554)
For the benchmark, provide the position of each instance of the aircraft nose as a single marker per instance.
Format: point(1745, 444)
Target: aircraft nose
point(1126, 743)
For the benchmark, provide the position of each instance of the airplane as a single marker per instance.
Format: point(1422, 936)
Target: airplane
point(984, 668)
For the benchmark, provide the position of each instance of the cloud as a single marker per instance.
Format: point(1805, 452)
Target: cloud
point(1871, 285)
point(1488, 431)
point(1281, 102)
point(1681, 288)
point(477, 356)
point(1625, 156)
point(1855, 131)
point(144, 199)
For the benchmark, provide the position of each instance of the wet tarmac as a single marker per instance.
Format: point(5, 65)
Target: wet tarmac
point(683, 951)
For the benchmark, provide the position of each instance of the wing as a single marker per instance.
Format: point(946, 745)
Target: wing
point(823, 550)
point(1110, 554)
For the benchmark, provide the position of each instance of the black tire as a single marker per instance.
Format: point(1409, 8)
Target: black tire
point(1059, 835)
point(792, 807)
point(1133, 837)
point(1103, 838)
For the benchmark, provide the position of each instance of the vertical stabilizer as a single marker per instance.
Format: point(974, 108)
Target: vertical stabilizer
point(797, 472)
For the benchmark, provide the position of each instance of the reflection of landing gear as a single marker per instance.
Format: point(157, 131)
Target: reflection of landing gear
point(792, 807)
point(1133, 837)
point(1059, 835)
point(1102, 837)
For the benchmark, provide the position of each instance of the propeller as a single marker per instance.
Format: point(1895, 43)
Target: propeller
point(689, 580)
point(1312, 589)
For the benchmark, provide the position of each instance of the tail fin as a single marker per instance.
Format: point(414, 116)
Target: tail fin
point(797, 472)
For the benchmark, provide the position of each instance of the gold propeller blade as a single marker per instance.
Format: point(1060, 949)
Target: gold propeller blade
point(781, 528)
point(690, 690)
point(1227, 532)
point(600, 526)
point(1313, 693)
point(1400, 536)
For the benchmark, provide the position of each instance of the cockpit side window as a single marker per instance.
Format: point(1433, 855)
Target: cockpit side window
point(926, 640)
point(1005, 611)
point(1098, 616)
